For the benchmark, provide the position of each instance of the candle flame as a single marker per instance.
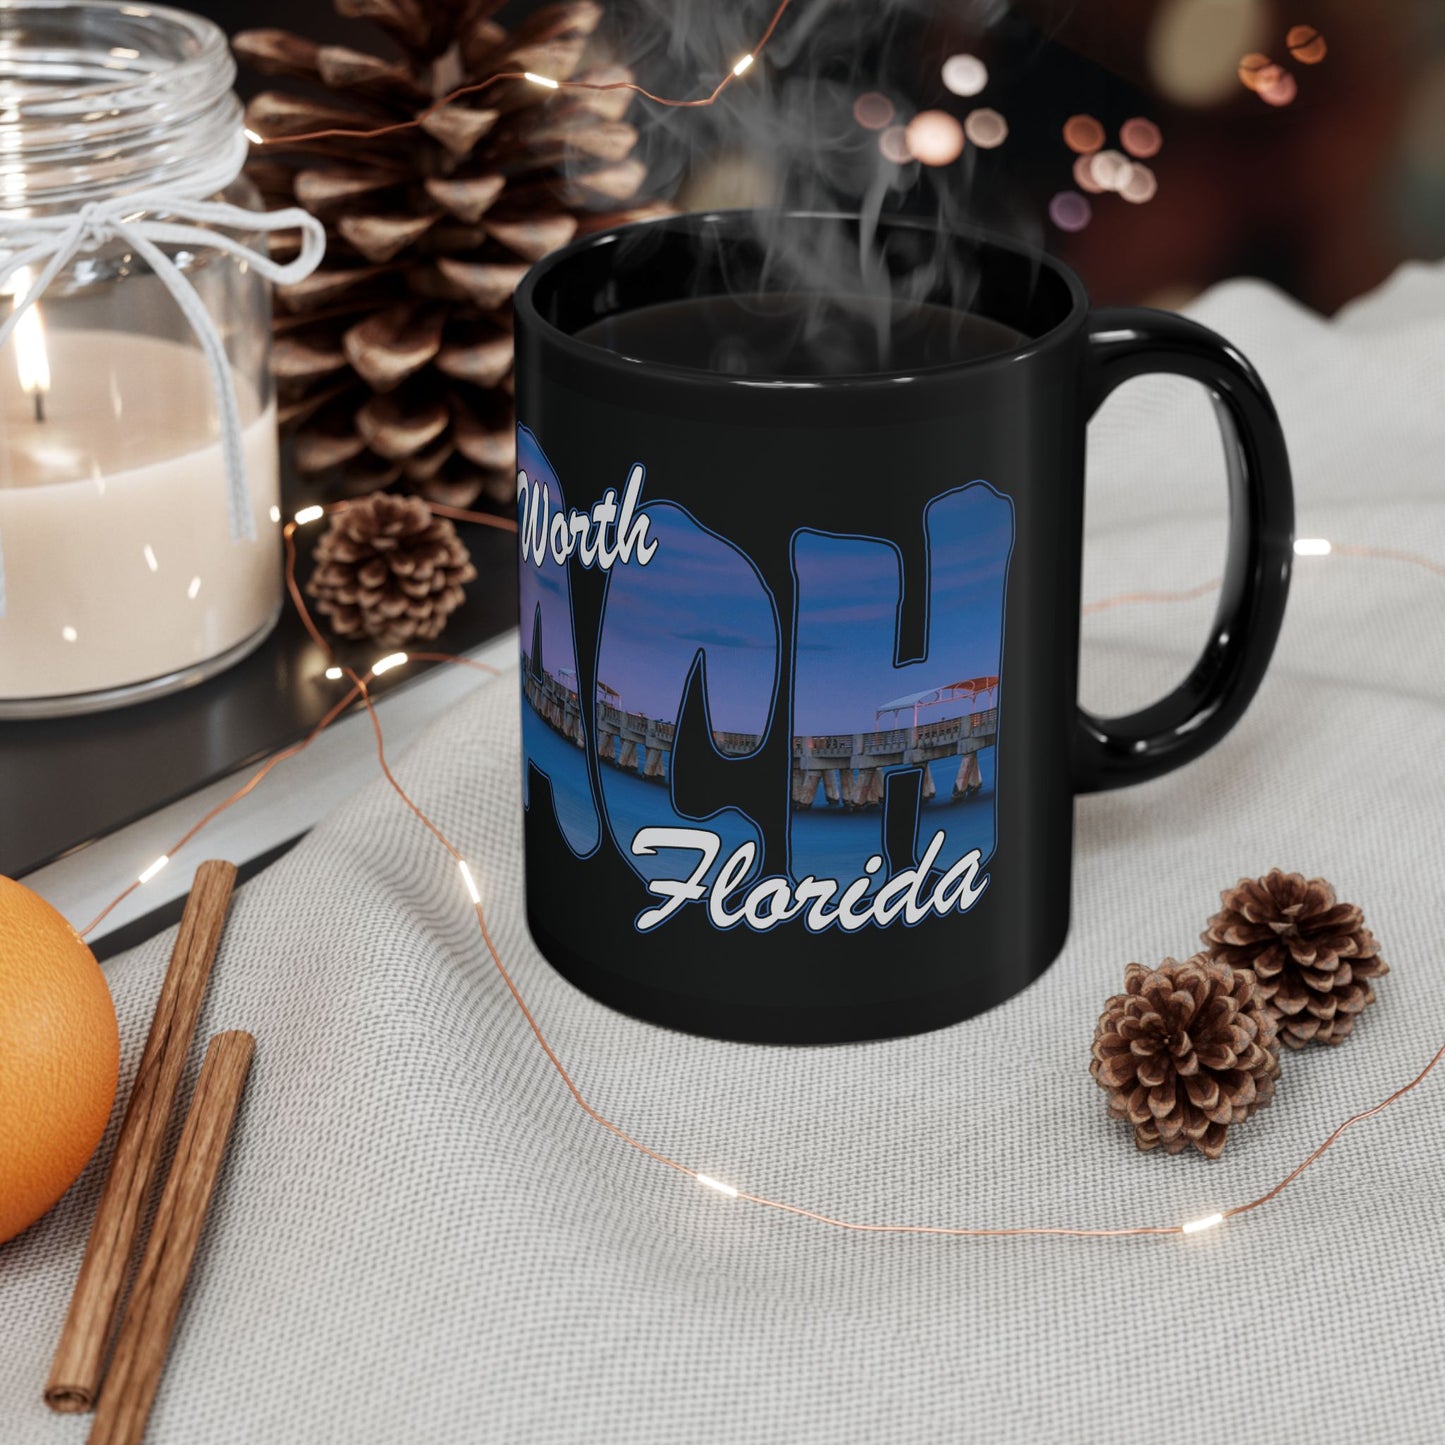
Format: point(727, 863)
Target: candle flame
point(32, 361)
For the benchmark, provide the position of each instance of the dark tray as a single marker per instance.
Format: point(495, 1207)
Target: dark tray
point(66, 781)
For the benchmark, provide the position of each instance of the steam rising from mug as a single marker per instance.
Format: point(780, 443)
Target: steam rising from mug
point(786, 139)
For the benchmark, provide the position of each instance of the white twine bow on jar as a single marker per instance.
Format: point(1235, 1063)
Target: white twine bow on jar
point(52, 242)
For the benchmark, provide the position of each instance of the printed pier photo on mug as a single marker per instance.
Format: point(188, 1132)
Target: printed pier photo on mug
point(872, 733)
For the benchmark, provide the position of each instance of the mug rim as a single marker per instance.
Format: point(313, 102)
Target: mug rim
point(594, 355)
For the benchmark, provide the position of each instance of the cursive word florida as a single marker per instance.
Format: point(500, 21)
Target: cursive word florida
point(606, 535)
point(775, 900)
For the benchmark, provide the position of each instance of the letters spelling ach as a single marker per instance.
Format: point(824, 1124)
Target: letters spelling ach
point(772, 900)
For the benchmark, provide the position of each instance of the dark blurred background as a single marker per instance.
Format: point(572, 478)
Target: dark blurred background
point(1323, 194)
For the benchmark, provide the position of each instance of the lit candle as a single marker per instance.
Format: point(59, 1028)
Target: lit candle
point(32, 361)
point(119, 561)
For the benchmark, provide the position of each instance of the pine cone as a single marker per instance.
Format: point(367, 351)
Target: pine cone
point(1312, 956)
point(394, 360)
point(388, 570)
point(1185, 1051)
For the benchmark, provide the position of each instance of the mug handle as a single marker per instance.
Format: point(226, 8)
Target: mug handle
point(1125, 342)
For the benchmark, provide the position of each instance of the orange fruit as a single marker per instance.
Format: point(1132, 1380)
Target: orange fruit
point(59, 1056)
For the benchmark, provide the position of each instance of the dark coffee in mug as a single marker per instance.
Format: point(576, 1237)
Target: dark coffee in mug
point(801, 334)
point(799, 593)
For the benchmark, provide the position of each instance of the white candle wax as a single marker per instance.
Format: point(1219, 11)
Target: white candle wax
point(119, 562)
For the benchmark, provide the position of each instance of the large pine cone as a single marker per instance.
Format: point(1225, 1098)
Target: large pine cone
point(1313, 957)
point(394, 360)
point(1184, 1052)
point(388, 570)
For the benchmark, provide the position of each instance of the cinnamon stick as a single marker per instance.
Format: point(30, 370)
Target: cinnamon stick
point(155, 1298)
point(79, 1362)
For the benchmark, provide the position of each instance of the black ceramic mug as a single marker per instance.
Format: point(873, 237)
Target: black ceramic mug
point(799, 651)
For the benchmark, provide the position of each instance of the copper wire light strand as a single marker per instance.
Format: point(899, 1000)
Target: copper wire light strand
point(254, 781)
point(461, 514)
point(360, 691)
point(597, 1115)
point(1388, 554)
point(1348, 1124)
point(671, 102)
point(1190, 594)
point(527, 1014)
point(1133, 599)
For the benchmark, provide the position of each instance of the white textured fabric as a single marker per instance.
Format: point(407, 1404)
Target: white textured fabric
point(419, 1237)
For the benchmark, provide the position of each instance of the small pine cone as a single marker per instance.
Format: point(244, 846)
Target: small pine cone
point(387, 569)
point(1313, 957)
point(1184, 1052)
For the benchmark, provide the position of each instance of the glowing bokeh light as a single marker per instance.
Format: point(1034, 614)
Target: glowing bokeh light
point(1193, 47)
point(1084, 175)
point(985, 128)
point(1306, 44)
point(1141, 185)
point(1070, 211)
point(964, 74)
point(1083, 134)
point(873, 111)
point(1280, 89)
point(1252, 66)
point(1110, 169)
point(1140, 137)
point(935, 137)
point(894, 145)
point(1267, 77)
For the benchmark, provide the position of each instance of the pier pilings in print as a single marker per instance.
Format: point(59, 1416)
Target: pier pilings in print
point(847, 768)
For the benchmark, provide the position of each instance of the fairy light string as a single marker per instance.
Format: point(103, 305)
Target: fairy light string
point(739, 68)
point(359, 691)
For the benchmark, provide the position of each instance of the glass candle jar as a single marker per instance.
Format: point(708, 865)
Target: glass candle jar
point(131, 569)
